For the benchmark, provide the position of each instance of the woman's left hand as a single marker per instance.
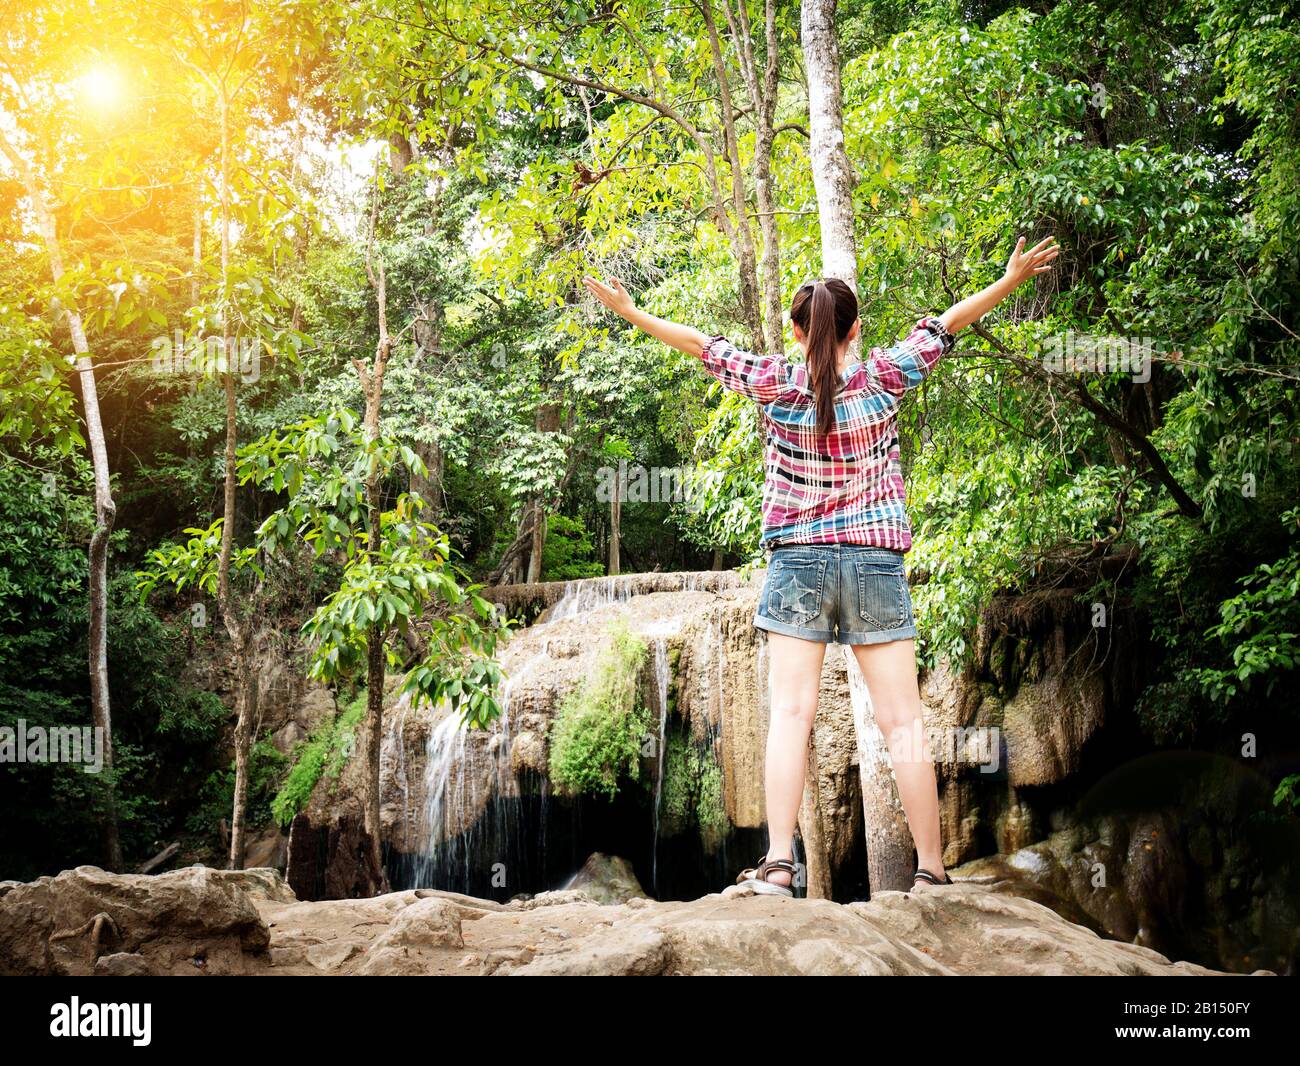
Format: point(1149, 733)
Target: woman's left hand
point(1038, 260)
point(613, 295)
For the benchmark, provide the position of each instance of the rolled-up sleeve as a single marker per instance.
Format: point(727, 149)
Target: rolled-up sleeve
point(760, 377)
point(904, 365)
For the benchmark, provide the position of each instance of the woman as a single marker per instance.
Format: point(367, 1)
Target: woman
point(835, 523)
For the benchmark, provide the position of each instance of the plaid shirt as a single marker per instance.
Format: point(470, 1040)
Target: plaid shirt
point(846, 487)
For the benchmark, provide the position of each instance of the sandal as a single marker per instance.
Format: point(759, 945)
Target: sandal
point(757, 876)
point(926, 877)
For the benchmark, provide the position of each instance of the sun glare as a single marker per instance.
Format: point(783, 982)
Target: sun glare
point(101, 87)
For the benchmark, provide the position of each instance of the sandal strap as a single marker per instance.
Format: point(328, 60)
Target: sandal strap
point(929, 878)
point(766, 866)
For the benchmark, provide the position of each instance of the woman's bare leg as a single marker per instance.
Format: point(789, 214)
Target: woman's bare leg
point(890, 673)
point(795, 671)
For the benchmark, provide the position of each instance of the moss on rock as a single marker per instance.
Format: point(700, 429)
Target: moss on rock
point(597, 735)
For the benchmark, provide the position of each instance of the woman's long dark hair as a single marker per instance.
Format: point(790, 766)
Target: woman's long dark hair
point(825, 311)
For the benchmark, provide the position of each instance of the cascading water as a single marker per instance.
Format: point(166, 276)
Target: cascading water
point(473, 811)
point(662, 670)
point(449, 839)
point(581, 597)
point(590, 594)
point(717, 666)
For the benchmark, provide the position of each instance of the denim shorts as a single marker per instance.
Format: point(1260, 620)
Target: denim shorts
point(836, 593)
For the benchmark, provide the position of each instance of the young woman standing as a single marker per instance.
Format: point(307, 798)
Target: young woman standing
point(835, 524)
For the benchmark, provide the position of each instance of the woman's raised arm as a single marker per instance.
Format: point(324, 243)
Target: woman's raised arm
point(1020, 268)
point(684, 338)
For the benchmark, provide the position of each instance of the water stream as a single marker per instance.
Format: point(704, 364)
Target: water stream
point(470, 824)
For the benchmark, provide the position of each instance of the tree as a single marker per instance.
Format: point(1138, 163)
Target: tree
point(889, 857)
point(397, 576)
point(32, 97)
point(227, 49)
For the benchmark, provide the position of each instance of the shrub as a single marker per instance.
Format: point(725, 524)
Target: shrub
point(596, 737)
point(324, 753)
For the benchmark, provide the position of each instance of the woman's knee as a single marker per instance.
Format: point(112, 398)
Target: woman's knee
point(900, 723)
point(798, 710)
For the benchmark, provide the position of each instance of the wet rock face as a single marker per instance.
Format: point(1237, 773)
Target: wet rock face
point(438, 780)
point(1175, 873)
point(544, 600)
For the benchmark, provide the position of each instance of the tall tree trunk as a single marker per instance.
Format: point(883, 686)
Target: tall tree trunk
point(832, 172)
point(538, 543)
point(763, 89)
point(764, 198)
point(105, 516)
point(546, 420)
point(105, 508)
point(890, 850)
point(615, 527)
point(231, 615)
point(372, 384)
point(428, 486)
point(196, 258)
point(743, 241)
point(376, 655)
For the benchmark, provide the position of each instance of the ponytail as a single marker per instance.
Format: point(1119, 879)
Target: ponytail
point(825, 311)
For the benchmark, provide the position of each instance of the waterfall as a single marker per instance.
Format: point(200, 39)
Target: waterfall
point(456, 781)
point(466, 818)
point(662, 678)
point(589, 594)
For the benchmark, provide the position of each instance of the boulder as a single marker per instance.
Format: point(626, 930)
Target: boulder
point(193, 920)
point(122, 964)
point(268, 849)
point(606, 879)
point(419, 930)
point(259, 882)
point(961, 929)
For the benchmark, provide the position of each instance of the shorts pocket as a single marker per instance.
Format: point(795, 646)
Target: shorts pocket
point(794, 589)
point(883, 598)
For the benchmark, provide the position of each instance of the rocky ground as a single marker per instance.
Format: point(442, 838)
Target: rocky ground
point(200, 920)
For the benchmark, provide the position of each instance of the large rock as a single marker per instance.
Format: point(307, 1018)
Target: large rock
point(195, 920)
point(606, 879)
point(1169, 867)
point(965, 929)
point(86, 921)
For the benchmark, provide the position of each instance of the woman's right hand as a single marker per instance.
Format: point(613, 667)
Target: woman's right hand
point(613, 295)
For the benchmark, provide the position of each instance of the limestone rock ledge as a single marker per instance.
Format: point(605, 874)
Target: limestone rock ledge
point(198, 920)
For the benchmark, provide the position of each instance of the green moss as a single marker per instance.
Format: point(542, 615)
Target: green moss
point(597, 735)
point(710, 812)
point(691, 797)
point(676, 796)
point(323, 754)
